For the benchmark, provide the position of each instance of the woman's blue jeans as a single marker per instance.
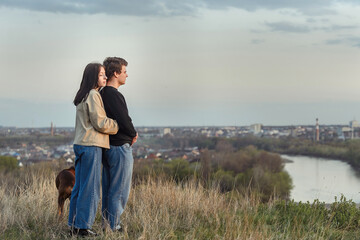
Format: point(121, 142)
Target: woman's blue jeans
point(116, 181)
point(85, 195)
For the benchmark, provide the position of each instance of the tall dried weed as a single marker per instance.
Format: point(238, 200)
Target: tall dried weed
point(156, 210)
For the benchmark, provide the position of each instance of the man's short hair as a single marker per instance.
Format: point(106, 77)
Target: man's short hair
point(113, 64)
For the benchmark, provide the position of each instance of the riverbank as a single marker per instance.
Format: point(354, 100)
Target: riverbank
point(347, 151)
point(323, 179)
point(324, 156)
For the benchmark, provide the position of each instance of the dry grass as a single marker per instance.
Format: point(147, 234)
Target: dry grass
point(156, 210)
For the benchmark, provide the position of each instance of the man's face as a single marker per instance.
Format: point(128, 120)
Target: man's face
point(123, 75)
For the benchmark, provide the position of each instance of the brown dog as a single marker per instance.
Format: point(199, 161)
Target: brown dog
point(65, 181)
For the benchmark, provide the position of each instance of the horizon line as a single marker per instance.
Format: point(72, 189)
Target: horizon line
point(186, 126)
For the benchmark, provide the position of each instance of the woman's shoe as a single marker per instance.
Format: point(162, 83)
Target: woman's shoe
point(118, 228)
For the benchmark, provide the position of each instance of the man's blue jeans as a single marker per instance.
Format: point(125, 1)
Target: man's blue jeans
point(85, 195)
point(116, 182)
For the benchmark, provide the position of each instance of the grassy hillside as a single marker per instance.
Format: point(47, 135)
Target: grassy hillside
point(167, 210)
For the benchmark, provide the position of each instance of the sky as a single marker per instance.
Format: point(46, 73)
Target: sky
point(191, 63)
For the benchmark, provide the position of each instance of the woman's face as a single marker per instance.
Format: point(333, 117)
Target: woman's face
point(102, 78)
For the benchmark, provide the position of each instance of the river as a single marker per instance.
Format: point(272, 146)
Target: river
point(323, 179)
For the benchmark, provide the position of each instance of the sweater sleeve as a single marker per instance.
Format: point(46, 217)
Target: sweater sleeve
point(97, 115)
point(121, 114)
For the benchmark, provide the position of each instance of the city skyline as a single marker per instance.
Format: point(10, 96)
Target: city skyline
point(230, 63)
point(53, 126)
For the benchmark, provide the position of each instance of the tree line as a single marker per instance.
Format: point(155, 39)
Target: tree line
point(348, 150)
point(243, 170)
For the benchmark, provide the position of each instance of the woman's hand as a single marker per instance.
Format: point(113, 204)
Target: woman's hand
point(134, 139)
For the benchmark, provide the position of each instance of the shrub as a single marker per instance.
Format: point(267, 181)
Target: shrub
point(299, 215)
point(345, 214)
point(225, 180)
point(8, 163)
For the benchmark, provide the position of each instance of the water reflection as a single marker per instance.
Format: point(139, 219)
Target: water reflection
point(323, 179)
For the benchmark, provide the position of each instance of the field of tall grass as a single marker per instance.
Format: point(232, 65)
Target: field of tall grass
point(167, 210)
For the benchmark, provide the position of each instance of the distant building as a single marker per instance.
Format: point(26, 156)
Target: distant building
point(344, 132)
point(354, 124)
point(219, 133)
point(206, 132)
point(297, 131)
point(256, 128)
point(167, 131)
point(317, 137)
point(52, 129)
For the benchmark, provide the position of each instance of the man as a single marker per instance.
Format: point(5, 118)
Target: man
point(118, 160)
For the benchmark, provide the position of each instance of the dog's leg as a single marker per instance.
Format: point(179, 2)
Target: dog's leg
point(61, 202)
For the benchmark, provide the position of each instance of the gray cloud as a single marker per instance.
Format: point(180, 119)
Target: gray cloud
point(135, 7)
point(342, 27)
point(311, 20)
point(334, 41)
point(336, 28)
point(352, 41)
point(168, 7)
point(287, 27)
point(309, 7)
point(257, 41)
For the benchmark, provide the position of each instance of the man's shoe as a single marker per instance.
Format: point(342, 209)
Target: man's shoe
point(87, 233)
point(83, 232)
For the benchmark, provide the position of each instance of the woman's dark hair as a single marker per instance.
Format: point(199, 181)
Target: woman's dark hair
point(113, 64)
point(89, 81)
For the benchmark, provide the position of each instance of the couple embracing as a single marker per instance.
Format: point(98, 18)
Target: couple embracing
point(104, 135)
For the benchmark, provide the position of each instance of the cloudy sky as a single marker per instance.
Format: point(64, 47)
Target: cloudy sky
point(232, 62)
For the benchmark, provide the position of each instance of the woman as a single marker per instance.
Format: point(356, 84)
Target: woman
point(91, 135)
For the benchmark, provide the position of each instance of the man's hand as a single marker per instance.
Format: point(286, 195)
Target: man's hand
point(134, 139)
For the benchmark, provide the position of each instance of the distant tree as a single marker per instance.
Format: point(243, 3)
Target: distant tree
point(8, 163)
point(179, 169)
point(205, 160)
point(225, 180)
point(270, 162)
point(224, 146)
